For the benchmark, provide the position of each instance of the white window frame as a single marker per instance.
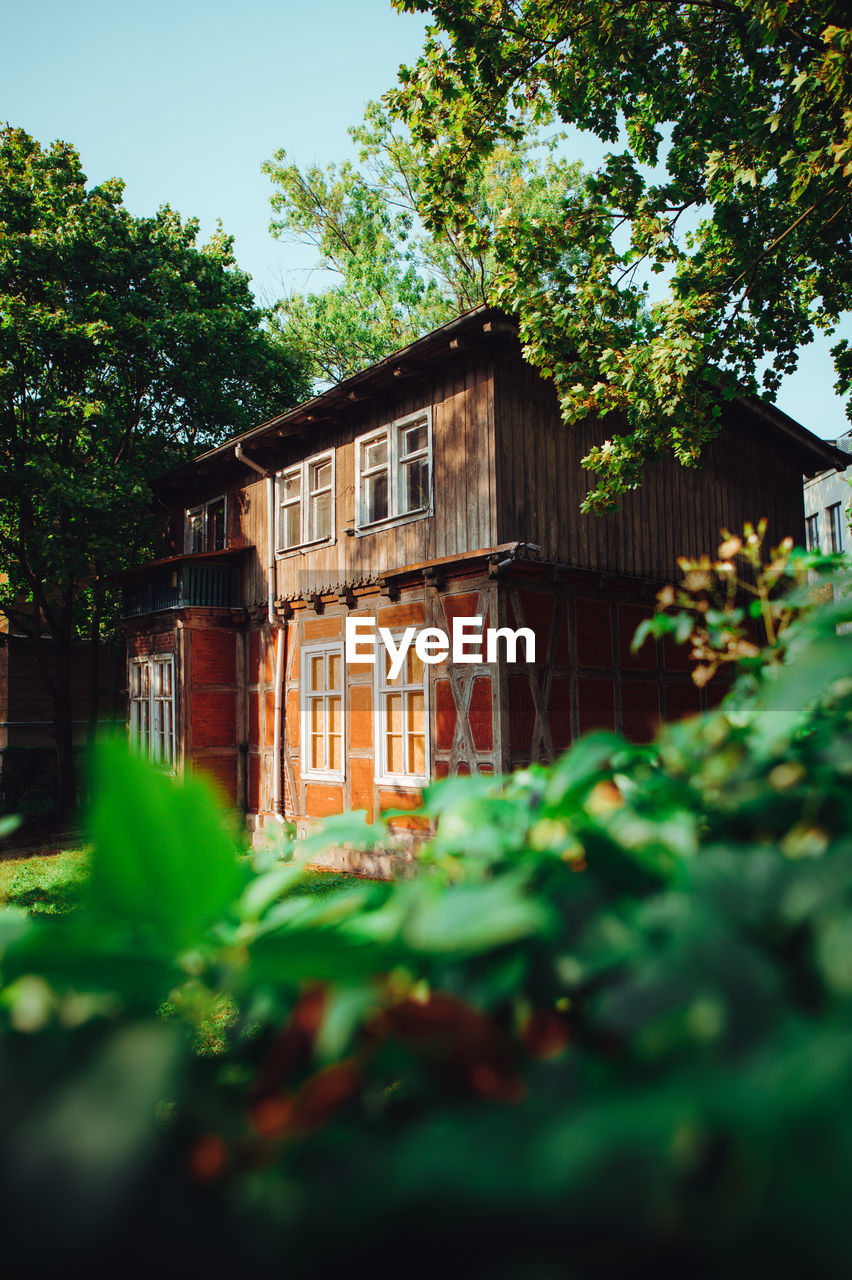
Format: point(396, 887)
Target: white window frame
point(303, 470)
point(834, 520)
point(812, 533)
point(309, 651)
point(203, 509)
point(381, 688)
point(395, 468)
point(148, 745)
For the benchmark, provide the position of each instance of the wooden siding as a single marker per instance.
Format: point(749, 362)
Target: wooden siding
point(460, 393)
point(585, 676)
point(748, 472)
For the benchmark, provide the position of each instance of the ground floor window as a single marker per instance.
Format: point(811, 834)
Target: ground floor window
point(152, 708)
point(322, 712)
point(402, 721)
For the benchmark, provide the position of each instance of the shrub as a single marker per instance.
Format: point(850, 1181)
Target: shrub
point(609, 1025)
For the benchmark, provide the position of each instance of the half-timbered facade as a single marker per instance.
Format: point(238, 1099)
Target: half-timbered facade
point(440, 483)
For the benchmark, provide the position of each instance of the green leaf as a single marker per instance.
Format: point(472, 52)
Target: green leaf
point(163, 862)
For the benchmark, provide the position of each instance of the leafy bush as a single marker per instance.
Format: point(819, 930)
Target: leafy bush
point(609, 1025)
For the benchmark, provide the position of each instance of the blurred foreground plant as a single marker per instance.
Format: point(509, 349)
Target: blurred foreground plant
point(737, 608)
point(609, 1024)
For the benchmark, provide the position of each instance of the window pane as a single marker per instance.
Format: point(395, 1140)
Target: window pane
point(291, 486)
point(812, 533)
point(376, 497)
point(415, 438)
point(417, 754)
point(394, 749)
point(321, 516)
point(168, 733)
point(334, 669)
point(334, 716)
point(317, 678)
point(376, 453)
point(216, 525)
point(396, 679)
point(416, 712)
point(321, 476)
point(414, 668)
point(393, 708)
point(335, 752)
point(291, 522)
point(196, 532)
point(317, 722)
point(835, 527)
point(416, 484)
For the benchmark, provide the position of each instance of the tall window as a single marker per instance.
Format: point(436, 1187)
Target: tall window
point(306, 502)
point(835, 526)
point(395, 470)
point(206, 527)
point(322, 712)
point(812, 533)
point(402, 721)
point(152, 708)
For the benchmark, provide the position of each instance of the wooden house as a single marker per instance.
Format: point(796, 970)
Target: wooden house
point(440, 483)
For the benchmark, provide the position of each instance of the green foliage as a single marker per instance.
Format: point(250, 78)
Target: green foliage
point(608, 1024)
point(396, 280)
point(729, 177)
point(114, 332)
point(737, 609)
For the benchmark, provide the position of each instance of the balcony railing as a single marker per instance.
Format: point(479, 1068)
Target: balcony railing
point(184, 584)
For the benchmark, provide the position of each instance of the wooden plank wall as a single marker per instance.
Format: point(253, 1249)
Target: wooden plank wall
point(585, 676)
point(748, 472)
point(460, 392)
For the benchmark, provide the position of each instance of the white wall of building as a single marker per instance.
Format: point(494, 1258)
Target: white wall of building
point(823, 492)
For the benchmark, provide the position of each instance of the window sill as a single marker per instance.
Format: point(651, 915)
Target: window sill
point(289, 552)
point(391, 522)
point(315, 775)
point(406, 782)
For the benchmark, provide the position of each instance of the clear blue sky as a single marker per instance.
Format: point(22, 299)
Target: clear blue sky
point(184, 100)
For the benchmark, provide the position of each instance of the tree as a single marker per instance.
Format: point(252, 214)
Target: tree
point(123, 346)
point(397, 280)
point(729, 119)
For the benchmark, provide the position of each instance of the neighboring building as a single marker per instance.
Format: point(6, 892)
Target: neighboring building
point(440, 482)
point(827, 497)
point(27, 743)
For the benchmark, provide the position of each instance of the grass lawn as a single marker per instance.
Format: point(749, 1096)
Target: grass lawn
point(45, 883)
point(50, 883)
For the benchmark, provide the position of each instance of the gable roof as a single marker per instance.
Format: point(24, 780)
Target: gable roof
point(475, 326)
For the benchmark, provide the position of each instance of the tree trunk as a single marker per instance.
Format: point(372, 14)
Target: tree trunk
point(94, 666)
point(63, 718)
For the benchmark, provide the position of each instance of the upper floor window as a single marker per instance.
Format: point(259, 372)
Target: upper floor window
point(394, 466)
point(812, 533)
point(835, 526)
point(206, 527)
point(322, 711)
point(306, 502)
